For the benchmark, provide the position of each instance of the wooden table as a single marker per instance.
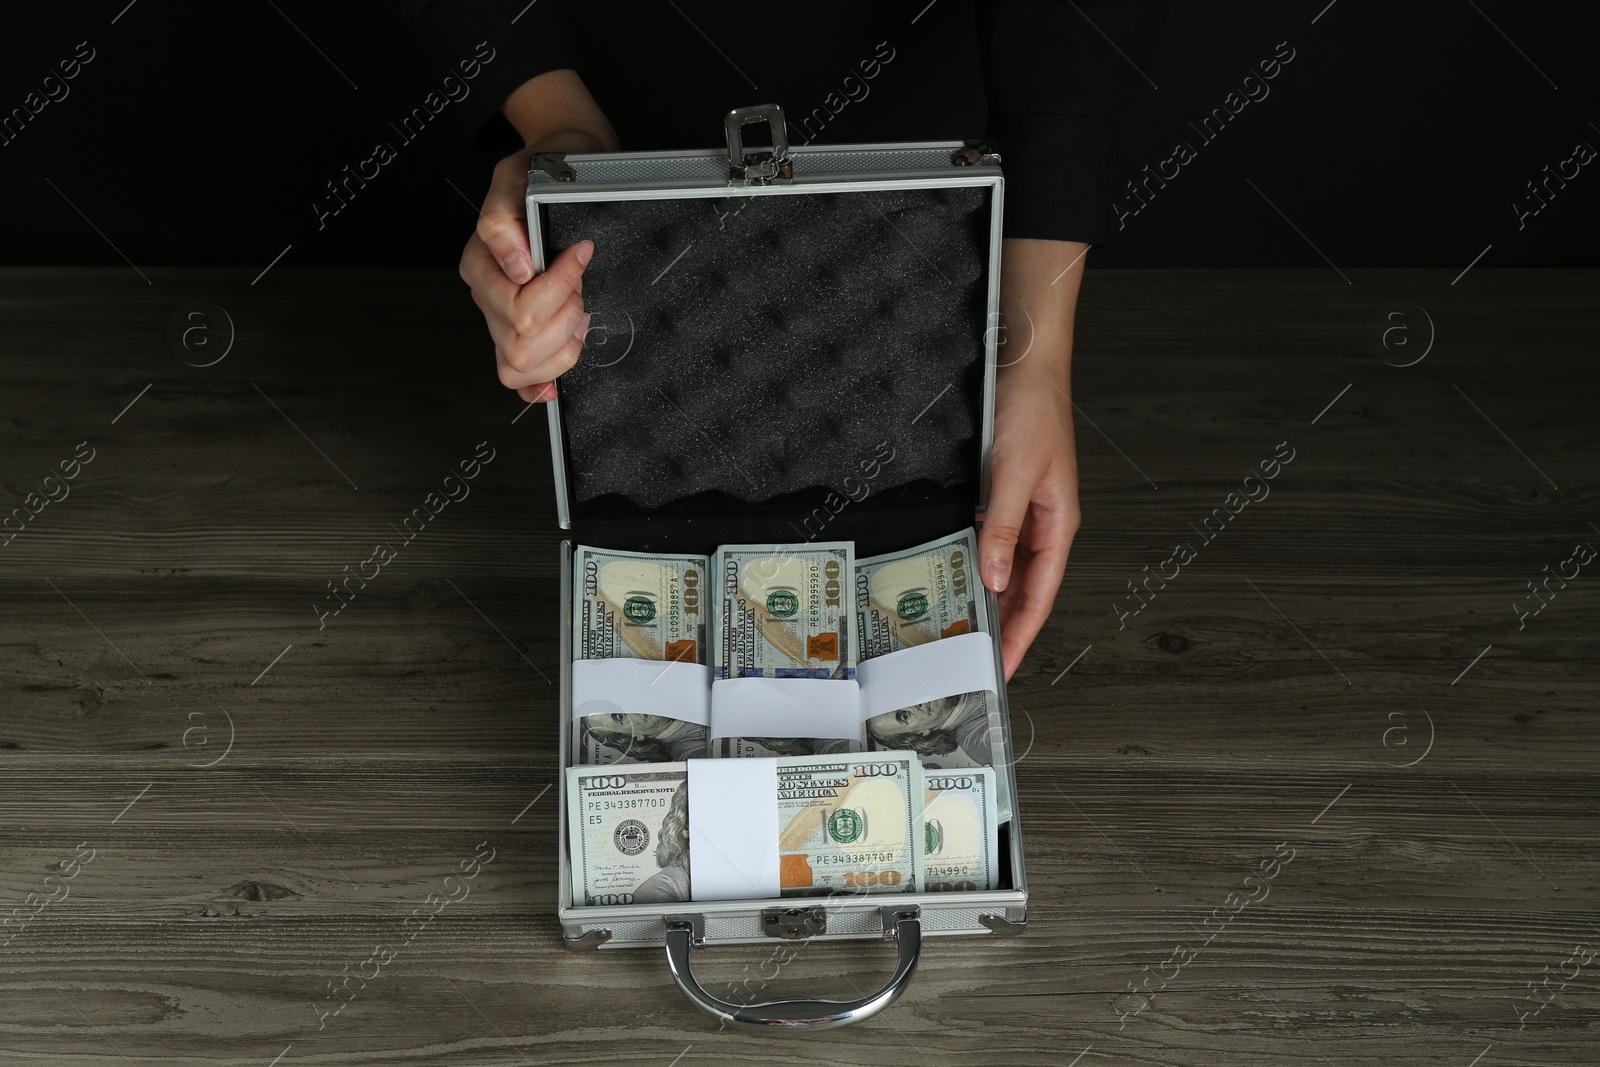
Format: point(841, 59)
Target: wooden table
point(225, 803)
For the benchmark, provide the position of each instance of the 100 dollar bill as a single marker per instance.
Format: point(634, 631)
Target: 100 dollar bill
point(918, 596)
point(637, 605)
point(628, 833)
point(849, 824)
point(844, 825)
point(784, 612)
point(961, 830)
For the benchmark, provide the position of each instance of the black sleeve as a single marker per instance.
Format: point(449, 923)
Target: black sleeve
point(1055, 84)
point(522, 40)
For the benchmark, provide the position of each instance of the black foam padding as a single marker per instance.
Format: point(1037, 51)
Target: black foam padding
point(751, 347)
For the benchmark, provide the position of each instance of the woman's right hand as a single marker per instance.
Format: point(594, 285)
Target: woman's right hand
point(537, 321)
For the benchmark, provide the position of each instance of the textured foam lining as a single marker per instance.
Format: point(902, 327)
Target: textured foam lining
point(762, 345)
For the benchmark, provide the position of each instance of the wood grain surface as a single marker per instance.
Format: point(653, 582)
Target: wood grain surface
point(1340, 672)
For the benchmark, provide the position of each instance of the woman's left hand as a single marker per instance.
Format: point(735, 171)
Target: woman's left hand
point(1033, 513)
point(1033, 503)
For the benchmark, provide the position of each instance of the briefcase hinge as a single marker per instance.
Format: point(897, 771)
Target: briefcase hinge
point(975, 151)
point(794, 924)
point(555, 165)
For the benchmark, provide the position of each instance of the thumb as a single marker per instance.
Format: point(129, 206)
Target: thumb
point(502, 224)
point(1002, 523)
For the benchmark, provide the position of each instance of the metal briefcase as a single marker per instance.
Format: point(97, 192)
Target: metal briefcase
point(764, 322)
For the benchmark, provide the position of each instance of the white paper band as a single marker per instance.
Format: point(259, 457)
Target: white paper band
point(733, 829)
point(944, 668)
point(672, 688)
point(786, 707)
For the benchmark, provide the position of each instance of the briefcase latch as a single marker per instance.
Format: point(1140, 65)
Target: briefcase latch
point(758, 168)
point(794, 924)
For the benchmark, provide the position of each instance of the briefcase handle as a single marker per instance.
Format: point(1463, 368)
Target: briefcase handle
point(903, 924)
point(758, 171)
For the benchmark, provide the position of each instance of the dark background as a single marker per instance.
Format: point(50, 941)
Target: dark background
point(1398, 136)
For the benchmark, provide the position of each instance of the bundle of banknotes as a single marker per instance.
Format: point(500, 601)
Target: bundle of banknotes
point(847, 824)
point(914, 597)
point(775, 611)
point(638, 605)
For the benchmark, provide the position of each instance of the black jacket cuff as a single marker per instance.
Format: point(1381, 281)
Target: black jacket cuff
point(1057, 168)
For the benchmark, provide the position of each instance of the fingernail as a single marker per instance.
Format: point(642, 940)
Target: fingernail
point(517, 267)
point(583, 327)
point(585, 253)
point(995, 575)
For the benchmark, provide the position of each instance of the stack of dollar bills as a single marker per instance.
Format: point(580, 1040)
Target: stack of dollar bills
point(775, 611)
point(846, 824)
point(638, 605)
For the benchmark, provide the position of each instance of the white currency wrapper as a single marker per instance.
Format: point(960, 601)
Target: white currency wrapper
point(787, 707)
point(951, 666)
point(733, 829)
point(672, 688)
